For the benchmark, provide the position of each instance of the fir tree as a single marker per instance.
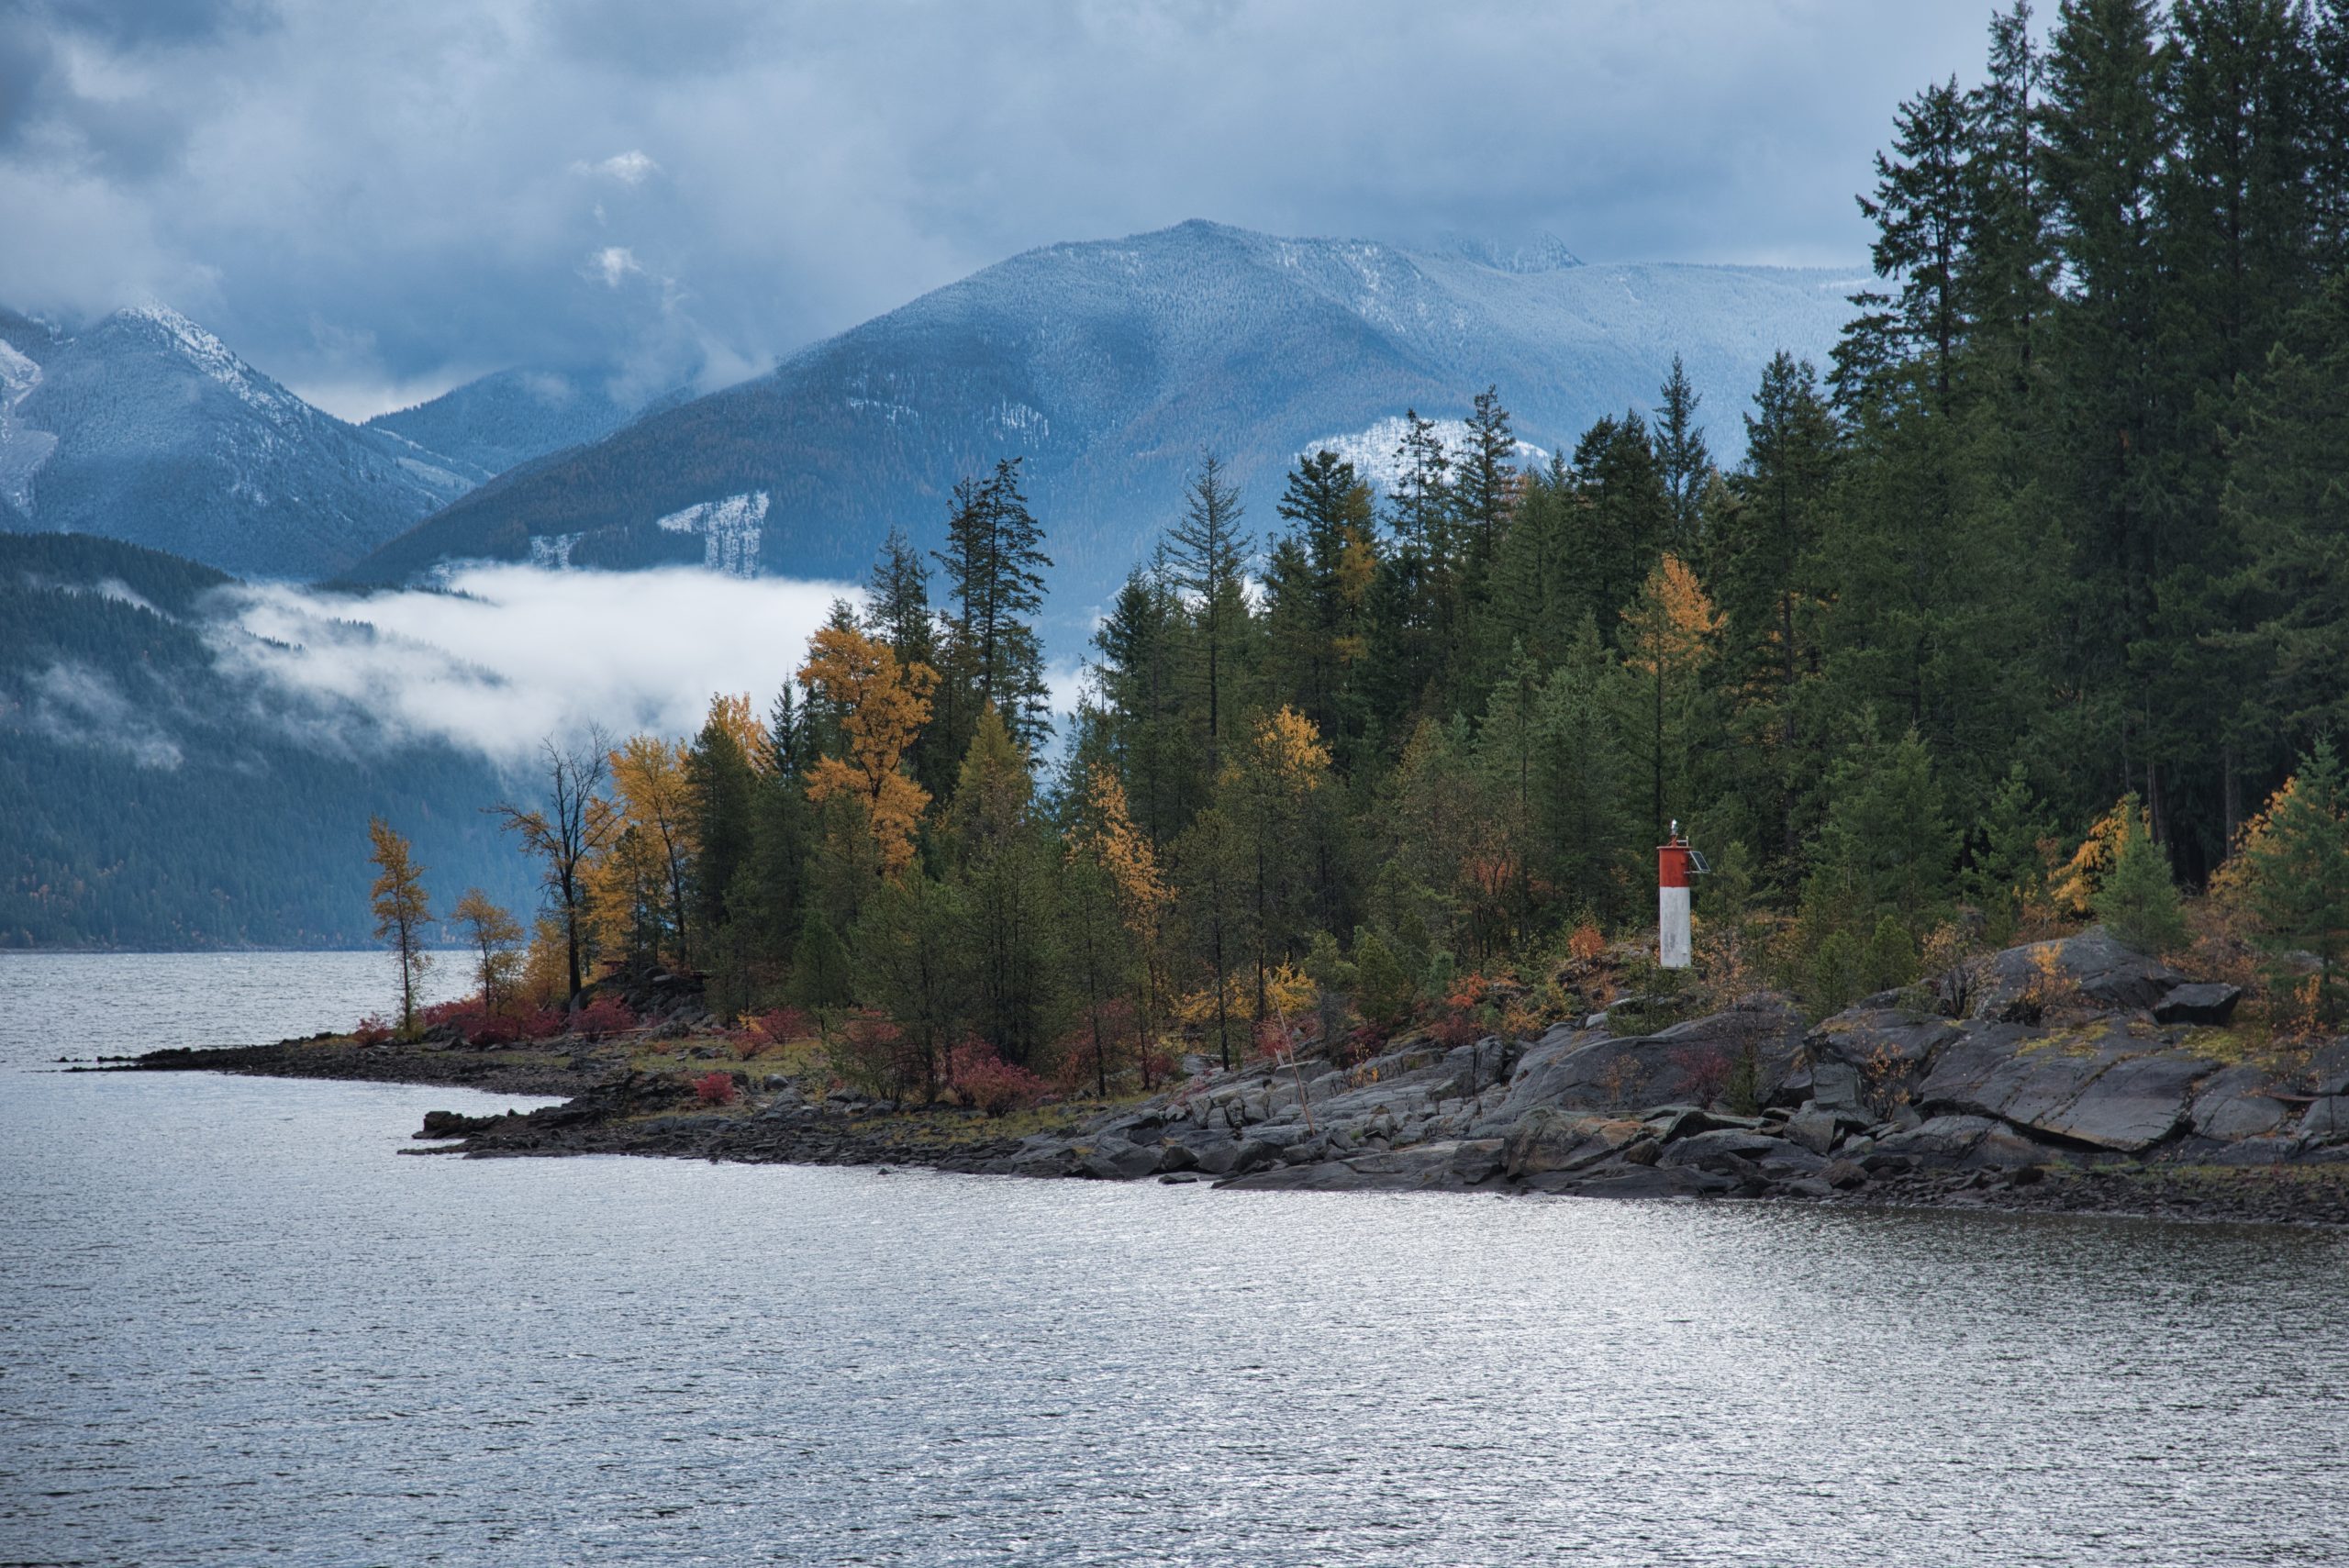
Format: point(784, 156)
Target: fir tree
point(2296, 876)
point(1685, 461)
point(994, 564)
point(2138, 900)
point(1208, 555)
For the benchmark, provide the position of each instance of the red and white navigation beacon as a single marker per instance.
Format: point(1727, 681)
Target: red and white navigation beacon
point(1676, 862)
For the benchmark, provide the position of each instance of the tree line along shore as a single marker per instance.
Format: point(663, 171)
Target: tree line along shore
point(2024, 612)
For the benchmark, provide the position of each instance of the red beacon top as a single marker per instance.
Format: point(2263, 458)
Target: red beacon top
point(1676, 862)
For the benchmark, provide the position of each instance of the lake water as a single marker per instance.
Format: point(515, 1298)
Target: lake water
point(236, 1326)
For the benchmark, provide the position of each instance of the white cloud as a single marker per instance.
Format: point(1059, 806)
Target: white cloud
point(514, 654)
point(630, 168)
point(612, 263)
point(75, 704)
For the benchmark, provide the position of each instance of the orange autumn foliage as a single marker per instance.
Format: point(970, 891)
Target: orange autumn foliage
point(883, 706)
point(1672, 623)
point(732, 714)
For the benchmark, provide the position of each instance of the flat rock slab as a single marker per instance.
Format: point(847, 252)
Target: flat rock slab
point(2236, 1104)
point(1446, 1166)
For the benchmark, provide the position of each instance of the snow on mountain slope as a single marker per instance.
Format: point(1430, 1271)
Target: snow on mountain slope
point(147, 427)
point(1110, 366)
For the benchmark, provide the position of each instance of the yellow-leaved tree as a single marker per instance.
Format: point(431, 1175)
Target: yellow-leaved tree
point(640, 885)
point(401, 909)
point(732, 713)
point(493, 934)
point(1273, 791)
point(883, 705)
point(1105, 833)
point(1668, 635)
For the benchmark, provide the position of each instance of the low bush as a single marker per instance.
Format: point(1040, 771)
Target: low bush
point(980, 1078)
point(759, 1033)
point(604, 1015)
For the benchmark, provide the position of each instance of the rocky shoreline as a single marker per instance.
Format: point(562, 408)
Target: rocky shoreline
point(2071, 1076)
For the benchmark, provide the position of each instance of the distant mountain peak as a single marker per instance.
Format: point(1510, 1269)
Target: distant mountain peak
point(200, 348)
point(1539, 252)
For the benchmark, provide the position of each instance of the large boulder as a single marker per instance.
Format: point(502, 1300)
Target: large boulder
point(1584, 1069)
point(2203, 1002)
point(1545, 1140)
point(1864, 1060)
point(2094, 969)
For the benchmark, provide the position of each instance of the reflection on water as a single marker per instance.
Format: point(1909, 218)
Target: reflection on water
point(234, 1323)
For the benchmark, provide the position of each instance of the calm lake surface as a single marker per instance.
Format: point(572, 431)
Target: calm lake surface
point(236, 1326)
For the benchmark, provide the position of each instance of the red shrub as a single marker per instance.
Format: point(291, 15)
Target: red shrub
point(871, 1053)
point(537, 1022)
point(1274, 1042)
point(1457, 1027)
point(605, 1015)
point(715, 1089)
point(760, 1032)
point(979, 1077)
point(1704, 1072)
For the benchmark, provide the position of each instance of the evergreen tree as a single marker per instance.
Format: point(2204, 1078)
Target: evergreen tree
point(913, 961)
point(1769, 582)
point(1886, 846)
point(1483, 492)
point(2102, 149)
point(2007, 875)
point(823, 980)
point(1686, 463)
point(721, 782)
point(2296, 877)
point(994, 564)
point(2286, 495)
point(1209, 556)
point(2004, 274)
point(1001, 859)
point(2138, 901)
point(1139, 644)
point(1316, 590)
point(1617, 533)
point(1921, 210)
point(1588, 818)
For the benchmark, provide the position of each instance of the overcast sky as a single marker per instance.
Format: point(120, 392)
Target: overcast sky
point(376, 201)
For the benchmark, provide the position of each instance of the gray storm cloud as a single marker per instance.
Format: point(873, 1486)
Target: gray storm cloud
point(372, 201)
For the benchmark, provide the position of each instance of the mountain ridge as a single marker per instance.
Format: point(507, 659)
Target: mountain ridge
point(1109, 365)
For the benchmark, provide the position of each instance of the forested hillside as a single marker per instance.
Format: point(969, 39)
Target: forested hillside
point(2028, 601)
point(149, 800)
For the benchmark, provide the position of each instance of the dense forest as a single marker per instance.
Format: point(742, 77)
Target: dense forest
point(150, 798)
point(2027, 608)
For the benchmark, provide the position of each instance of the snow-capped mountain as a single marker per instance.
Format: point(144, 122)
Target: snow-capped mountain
point(147, 427)
point(1109, 366)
